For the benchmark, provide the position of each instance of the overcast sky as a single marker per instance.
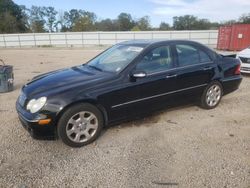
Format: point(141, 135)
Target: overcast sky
point(158, 10)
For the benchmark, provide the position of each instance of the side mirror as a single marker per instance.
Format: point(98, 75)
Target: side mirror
point(139, 74)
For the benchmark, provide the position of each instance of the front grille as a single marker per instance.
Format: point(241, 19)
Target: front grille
point(245, 60)
point(22, 98)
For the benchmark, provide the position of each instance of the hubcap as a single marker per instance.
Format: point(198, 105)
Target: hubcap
point(213, 95)
point(82, 126)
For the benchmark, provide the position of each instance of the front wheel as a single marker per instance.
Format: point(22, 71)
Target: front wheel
point(80, 125)
point(211, 95)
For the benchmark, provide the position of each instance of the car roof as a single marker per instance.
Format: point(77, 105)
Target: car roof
point(147, 42)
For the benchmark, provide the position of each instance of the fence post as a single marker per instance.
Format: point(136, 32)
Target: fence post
point(99, 42)
point(82, 40)
point(34, 36)
point(19, 41)
point(66, 39)
point(152, 35)
point(115, 38)
point(49, 39)
point(209, 36)
point(134, 35)
point(4, 41)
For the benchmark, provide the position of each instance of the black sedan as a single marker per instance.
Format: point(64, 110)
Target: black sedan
point(126, 81)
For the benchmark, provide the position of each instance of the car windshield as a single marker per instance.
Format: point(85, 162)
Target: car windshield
point(115, 59)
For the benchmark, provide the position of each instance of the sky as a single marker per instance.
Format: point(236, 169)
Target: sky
point(158, 10)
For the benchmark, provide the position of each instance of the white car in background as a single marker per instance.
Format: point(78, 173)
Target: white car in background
point(244, 56)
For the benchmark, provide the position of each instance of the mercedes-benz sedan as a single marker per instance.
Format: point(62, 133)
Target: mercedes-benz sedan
point(125, 81)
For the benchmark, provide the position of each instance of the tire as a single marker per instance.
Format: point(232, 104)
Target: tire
point(212, 95)
point(80, 125)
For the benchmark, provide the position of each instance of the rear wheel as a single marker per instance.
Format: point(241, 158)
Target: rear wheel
point(211, 95)
point(80, 125)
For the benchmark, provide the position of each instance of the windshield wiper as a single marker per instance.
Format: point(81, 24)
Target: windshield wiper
point(96, 68)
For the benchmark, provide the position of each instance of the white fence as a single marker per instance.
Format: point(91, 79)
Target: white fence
point(81, 39)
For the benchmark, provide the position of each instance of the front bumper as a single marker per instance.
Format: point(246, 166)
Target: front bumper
point(44, 132)
point(245, 68)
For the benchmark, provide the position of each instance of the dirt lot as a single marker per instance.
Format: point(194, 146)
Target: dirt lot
point(180, 147)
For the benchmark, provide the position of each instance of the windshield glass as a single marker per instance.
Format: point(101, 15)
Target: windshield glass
point(115, 59)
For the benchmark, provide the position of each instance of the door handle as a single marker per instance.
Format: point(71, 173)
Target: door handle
point(171, 76)
point(207, 68)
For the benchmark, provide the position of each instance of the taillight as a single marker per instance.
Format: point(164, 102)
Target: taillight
point(237, 70)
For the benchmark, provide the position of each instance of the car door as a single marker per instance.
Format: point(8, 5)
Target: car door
point(147, 85)
point(195, 70)
point(156, 88)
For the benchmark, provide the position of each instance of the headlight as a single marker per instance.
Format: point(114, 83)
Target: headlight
point(35, 105)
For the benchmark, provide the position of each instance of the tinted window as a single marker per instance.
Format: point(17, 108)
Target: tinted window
point(159, 59)
point(189, 55)
point(204, 57)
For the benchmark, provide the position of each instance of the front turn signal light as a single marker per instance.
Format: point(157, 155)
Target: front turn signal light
point(44, 121)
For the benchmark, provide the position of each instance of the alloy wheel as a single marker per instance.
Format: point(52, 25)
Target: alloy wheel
point(82, 126)
point(213, 95)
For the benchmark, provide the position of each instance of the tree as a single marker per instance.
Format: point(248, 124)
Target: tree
point(107, 25)
point(229, 22)
point(50, 14)
point(135, 28)
point(143, 23)
point(8, 23)
point(11, 17)
point(164, 26)
point(25, 14)
point(37, 19)
point(61, 22)
point(202, 24)
point(71, 17)
point(245, 18)
point(214, 25)
point(125, 22)
point(190, 22)
point(184, 22)
point(86, 22)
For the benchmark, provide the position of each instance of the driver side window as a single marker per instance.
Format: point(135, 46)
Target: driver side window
point(158, 59)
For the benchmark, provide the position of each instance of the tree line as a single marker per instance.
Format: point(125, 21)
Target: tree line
point(20, 19)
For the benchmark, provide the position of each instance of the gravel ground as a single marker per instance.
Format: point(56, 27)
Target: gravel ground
point(180, 147)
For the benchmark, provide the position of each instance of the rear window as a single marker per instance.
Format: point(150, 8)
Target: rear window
point(187, 55)
point(204, 57)
point(190, 55)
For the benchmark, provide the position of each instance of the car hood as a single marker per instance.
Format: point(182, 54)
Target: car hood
point(64, 79)
point(245, 52)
